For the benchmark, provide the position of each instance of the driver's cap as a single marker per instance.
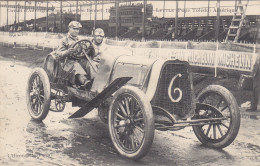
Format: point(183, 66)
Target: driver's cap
point(99, 32)
point(75, 24)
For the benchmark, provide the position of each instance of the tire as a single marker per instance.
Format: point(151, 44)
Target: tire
point(127, 125)
point(38, 94)
point(225, 131)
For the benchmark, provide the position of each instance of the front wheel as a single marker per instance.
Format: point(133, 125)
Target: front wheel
point(218, 134)
point(38, 94)
point(131, 123)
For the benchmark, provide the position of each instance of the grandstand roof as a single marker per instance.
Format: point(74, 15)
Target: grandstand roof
point(158, 4)
point(65, 3)
point(159, 8)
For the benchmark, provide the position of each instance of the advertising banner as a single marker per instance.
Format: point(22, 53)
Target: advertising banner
point(242, 61)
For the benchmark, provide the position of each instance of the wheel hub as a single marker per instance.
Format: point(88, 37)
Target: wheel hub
point(36, 91)
point(125, 122)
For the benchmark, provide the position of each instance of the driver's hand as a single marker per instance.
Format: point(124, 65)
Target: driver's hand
point(71, 50)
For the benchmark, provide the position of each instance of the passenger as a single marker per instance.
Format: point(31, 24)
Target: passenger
point(64, 50)
point(94, 54)
point(256, 84)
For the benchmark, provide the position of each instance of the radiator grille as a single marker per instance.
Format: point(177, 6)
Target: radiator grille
point(161, 97)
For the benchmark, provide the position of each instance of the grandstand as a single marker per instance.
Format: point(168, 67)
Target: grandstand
point(130, 25)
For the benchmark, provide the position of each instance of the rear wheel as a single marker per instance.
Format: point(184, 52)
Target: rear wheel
point(222, 133)
point(131, 123)
point(38, 94)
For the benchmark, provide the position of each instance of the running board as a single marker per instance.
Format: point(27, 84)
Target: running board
point(183, 124)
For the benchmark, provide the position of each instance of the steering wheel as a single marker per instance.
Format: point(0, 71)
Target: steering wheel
point(82, 46)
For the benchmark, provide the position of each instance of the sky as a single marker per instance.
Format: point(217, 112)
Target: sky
point(193, 9)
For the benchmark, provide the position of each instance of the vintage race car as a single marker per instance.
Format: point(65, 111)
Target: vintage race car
point(136, 95)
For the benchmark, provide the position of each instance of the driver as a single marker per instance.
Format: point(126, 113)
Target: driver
point(65, 50)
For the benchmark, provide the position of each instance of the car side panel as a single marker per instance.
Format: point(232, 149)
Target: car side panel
point(132, 66)
point(104, 71)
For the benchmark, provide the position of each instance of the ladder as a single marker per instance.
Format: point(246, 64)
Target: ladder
point(237, 22)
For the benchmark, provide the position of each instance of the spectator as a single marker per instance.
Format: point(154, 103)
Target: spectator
point(256, 84)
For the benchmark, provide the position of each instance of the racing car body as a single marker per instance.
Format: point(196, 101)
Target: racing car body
point(135, 95)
